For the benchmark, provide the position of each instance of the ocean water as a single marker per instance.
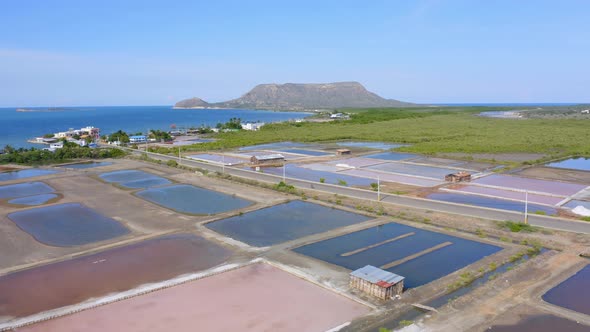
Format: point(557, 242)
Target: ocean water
point(17, 127)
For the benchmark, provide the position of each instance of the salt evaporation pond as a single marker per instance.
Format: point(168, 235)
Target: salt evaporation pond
point(284, 222)
point(391, 177)
point(66, 225)
point(493, 203)
point(227, 160)
point(574, 293)
point(75, 280)
point(194, 200)
point(392, 156)
point(257, 297)
point(305, 152)
point(510, 194)
point(371, 145)
point(90, 164)
point(134, 179)
point(356, 162)
point(33, 200)
point(520, 183)
point(376, 246)
point(542, 323)
point(24, 189)
point(575, 203)
point(297, 172)
point(581, 164)
point(25, 173)
point(437, 173)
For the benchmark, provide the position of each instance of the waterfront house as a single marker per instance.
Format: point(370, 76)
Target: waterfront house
point(137, 139)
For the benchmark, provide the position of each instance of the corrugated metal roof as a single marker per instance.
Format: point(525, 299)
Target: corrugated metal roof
point(270, 156)
point(377, 276)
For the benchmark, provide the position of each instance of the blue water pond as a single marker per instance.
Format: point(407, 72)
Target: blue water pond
point(284, 222)
point(493, 203)
point(392, 156)
point(65, 225)
point(581, 164)
point(33, 200)
point(90, 164)
point(134, 179)
point(418, 271)
point(24, 189)
point(194, 200)
point(25, 173)
point(574, 293)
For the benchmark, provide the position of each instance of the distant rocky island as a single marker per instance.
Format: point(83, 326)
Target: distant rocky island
point(296, 96)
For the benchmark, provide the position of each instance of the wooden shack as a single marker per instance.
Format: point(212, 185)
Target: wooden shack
point(267, 159)
point(342, 152)
point(376, 282)
point(458, 177)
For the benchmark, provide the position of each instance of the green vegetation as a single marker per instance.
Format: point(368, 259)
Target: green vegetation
point(404, 323)
point(374, 186)
point(585, 218)
point(342, 183)
point(160, 135)
point(465, 279)
point(479, 232)
point(429, 131)
point(286, 188)
point(119, 136)
point(48, 135)
point(70, 151)
point(232, 124)
point(322, 180)
point(517, 227)
point(172, 163)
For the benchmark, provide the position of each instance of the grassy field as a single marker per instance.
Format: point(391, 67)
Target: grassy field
point(447, 130)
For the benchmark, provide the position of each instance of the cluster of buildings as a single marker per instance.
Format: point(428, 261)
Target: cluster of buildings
point(78, 136)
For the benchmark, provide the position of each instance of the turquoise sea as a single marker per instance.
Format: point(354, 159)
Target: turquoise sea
point(17, 127)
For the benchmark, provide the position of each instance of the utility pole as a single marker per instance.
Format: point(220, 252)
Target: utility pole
point(378, 189)
point(284, 181)
point(526, 207)
point(223, 163)
point(179, 158)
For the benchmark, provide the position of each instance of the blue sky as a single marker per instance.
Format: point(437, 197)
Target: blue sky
point(60, 52)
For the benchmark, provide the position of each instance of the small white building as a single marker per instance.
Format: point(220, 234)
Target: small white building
point(339, 116)
point(254, 126)
point(586, 112)
point(54, 146)
point(138, 139)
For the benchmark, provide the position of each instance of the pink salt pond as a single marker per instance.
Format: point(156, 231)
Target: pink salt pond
point(520, 183)
point(257, 297)
point(510, 194)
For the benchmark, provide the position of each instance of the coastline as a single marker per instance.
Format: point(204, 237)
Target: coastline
point(248, 109)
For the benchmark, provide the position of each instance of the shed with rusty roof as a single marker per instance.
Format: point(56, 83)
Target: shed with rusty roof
point(377, 282)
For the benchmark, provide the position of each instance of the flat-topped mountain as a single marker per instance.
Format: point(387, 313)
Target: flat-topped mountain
point(293, 96)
